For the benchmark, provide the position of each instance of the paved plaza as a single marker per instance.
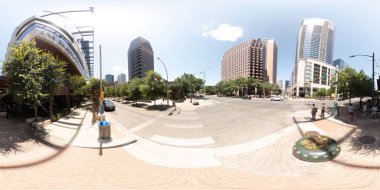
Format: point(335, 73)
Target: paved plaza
point(190, 148)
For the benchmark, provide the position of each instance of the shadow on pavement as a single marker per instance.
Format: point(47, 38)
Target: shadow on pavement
point(14, 132)
point(40, 136)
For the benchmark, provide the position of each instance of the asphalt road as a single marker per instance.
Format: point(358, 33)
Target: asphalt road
point(228, 121)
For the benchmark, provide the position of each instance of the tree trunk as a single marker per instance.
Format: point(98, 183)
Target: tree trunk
point(51, 99)
point(35, 112)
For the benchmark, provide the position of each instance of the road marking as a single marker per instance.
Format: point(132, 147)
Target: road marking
point(186, 126)
point(184, 118)
point(183, 141)
point(144, 125)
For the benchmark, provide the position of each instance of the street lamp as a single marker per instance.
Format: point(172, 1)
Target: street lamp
point(204, 82)
point(373, 73)
point(167, 80)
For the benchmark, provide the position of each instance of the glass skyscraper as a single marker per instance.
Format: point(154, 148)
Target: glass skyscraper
point(314, 57)
point(140, 58)
point(316, 40)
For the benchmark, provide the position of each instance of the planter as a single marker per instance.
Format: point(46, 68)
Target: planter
point(316, 148)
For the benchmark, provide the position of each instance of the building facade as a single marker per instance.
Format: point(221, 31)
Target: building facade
point(340, 63)
point(110, 79)
point(252, 58)
point(271, 59)
point(140, 58)
point(314, 54)
point(311, 76)
point(316, 40)
point(56, 39)
point(121, 78)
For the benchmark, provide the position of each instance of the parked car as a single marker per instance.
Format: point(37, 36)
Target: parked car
point(342, 98)
point(277, 98)
point(109, 106)
point(247, 97)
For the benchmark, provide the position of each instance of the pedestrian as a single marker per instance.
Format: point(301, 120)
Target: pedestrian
point(314, 111)
point(323, 110)
point(351, 111)
point(374, 112)
point(365, 109)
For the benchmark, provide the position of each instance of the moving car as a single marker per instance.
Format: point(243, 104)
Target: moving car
point(277, 98)
point(108, 105)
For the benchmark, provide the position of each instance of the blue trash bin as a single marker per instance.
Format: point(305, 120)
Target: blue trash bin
point(104, 130)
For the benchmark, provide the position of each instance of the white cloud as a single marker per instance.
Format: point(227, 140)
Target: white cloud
point(224, 32)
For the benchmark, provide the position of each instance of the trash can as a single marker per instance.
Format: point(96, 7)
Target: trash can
point(104, 130)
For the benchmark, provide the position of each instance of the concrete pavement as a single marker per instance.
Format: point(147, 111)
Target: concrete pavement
point(57, 160)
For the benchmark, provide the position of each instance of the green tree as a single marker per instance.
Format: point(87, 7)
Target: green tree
point(267, 88)
point(362, 85)
point(52, 72)
point(134, 89)
point(321, 92)
point(152, 86)
point(123, 90)
point(92, 89)
point(75, 83)
point(24, 72)
point(211, 90)
point(239, 85)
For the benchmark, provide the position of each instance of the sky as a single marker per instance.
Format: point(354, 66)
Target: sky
point(191, 36)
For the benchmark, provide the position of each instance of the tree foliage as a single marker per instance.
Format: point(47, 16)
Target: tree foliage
point(354, 84)
point(33, 74)
point(153, 86)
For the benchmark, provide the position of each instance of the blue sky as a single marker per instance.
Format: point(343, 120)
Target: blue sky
point(191, 35)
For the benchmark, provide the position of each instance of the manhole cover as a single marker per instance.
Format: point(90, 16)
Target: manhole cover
point(367, 139)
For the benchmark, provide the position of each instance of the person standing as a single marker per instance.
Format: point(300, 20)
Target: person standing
point(314, 111)
point(374, 112)
point(365, 109)
point(323, 109)
point(351, 111)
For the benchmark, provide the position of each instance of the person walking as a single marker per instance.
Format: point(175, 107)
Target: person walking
point(323, 109)
point(374, 112)
point(351, 111)
point(314, 111)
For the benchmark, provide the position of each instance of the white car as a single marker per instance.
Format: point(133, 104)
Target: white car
point(277, 98)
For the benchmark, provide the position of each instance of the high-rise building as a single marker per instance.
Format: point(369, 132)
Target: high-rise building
point(140, 58)
point(340, 63)
point(314, 57)
point(121, 78)
point(316, 40)
point(271, 59)
point(251, 59)
point(287, 84)
point(110, 79)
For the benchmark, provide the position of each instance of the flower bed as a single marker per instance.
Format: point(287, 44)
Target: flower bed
point(316, 148)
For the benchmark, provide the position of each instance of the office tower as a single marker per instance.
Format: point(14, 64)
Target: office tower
point(271, 59)
point(287, 84)
point(121, 78)
point(110, 79)
point(314, 55)
point(316, 40)
point(250, 59)
point(140, 58)
point(341, 64)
